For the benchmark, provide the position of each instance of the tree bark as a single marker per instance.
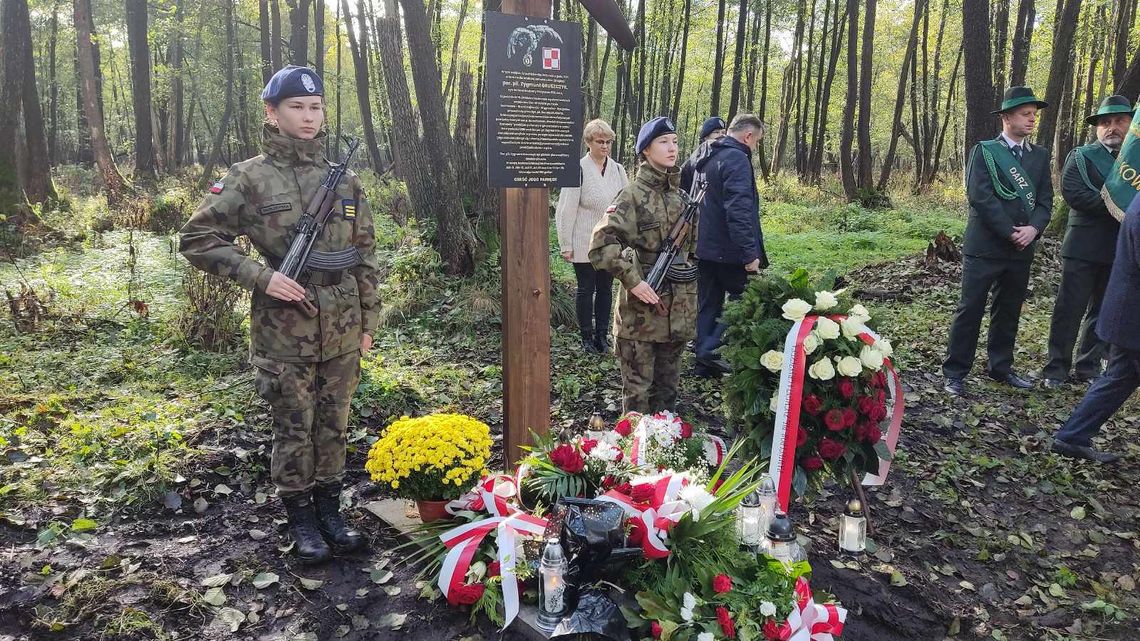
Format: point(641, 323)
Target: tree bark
point(298, 31)
point(1022, 36)
point(847, 134)
point(114, 183)
point(866, 181)
point(37, 181)
point(319, 38)
point(1060, 67)
point(136, 12)
point(359, 49)
point(411, 159)
point(1001, 34)
point(266, 40)
point(900, 95)
point(275, 36)
point(764, 82)
point(454, 238)
point(454, 54)
point(738, 61)
point(175, 128)
point(718, 65)
point(228, 110)
point(1124, 19)
point(13, 201)
point(979, 78)
point(53, 87)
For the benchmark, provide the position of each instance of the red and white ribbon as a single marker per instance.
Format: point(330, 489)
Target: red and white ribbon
point(654, 520)
point(894, 412)
point(810, 621)
point(490, 494)
point(714, 450)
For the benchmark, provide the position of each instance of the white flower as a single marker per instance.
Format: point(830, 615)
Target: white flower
point(872, 358)
point(775, 399)
point(476, 572)
point(605, 452)
point(697, 497)
point(811, 342)
point(827, 328)
point(852, 327)
point(773, 360)
point(849, 366)
point(688, 602)
point(705, 636)
point(860, 312)
point(795, 309)
point(884, 346)
point(768, 609)
point(822, 370)
point(825, 301)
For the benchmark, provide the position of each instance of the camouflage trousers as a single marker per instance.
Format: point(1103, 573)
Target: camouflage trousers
point(650, 374)
point(310, 405)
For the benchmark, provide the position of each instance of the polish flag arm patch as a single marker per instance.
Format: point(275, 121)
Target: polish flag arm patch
point(217, 187)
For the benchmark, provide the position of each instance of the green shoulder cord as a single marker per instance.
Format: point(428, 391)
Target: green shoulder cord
point(1001, 190)
point(1083, 168)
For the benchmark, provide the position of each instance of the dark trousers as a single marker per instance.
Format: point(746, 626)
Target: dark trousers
point(594, 299)
point(1103, 398)
point(1009, 280)
point(1079, 296)
point(716, 280)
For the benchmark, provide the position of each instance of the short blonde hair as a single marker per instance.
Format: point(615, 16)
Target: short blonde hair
point(597, 127)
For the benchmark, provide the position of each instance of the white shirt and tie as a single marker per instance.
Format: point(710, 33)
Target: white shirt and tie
point(1018, 149)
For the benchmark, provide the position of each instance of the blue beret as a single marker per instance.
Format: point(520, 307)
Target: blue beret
point(292, 81)
point(711, 125)
point(659, 126)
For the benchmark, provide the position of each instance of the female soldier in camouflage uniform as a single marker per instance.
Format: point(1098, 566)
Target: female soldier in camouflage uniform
point(625, 243)
point(306, 368)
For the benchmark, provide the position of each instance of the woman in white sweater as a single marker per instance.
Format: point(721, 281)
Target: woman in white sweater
point(579, 209)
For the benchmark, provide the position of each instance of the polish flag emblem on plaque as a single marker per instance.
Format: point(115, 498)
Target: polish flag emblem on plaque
point(550, 58)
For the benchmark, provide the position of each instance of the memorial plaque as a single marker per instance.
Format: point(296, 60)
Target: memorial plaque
point(534, 101)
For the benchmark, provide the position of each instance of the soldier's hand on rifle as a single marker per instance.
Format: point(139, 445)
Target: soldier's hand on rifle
point(282, 287)
point(645, 293)
point(753, 267)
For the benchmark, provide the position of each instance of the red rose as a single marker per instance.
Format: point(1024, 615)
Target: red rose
point(878, 380)
point(846, 388)
point(722, 583)
point(636, 536)
point(624, 427)
point(861, 431)
point(812, 405)
point(642, 493)
point(831, 450)
point(881, 397)
point(588, 444)
point(866, 405)
point(494, 569)
point(880, 413)
point(834, 420)
point(608, 482)
point(567, 458)
point(619, 457)
point(468, 593)
point(801, 437)
point(686, 430)
point(624, 488)
point(873, 434)
point(774, 632)
point(812, 463)
point(849, 417)
point(655, 629)
point(724, 618)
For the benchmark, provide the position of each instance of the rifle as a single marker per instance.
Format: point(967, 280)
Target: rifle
point(301, 256)
point(668, 257)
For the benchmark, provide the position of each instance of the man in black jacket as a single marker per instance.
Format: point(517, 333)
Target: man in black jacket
point(1089, 246)
point(1010, 193)
point(730, 244)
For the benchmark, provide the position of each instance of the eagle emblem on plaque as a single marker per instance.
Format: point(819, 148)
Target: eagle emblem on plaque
point(523, 42)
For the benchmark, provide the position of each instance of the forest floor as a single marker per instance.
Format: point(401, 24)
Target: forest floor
point(135, 503)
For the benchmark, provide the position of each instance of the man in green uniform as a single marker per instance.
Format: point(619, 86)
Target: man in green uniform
point(307, 368)
point(651, 327)
point(1010, 192)
point(1089, 247)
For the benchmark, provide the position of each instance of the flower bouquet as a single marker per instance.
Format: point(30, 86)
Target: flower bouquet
point(430, 459)
point(812, 388)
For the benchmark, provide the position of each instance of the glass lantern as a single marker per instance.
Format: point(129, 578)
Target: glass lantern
point(597, 423)
point(782, 544)
point(853, 528)
point(767, 493)
point(748, 517)
point(552, 570)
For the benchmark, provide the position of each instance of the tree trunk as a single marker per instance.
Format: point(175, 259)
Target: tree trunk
point(37, 181)
point(228, 110)
point(275, 36)
point(900, 95)
point(53, 88)
point(266, 39)
point(13, 201)
point(1124, 19)
point(1060, 67)
point(847, 134)
point(803, 51)
point(359, 49)
point(175, 126)
point(1022, 36)
point(455, 241)
point(718, 65)
point(1001, 33)
point(136, 12)
point(454, 54)
point(298, 31)
point(866, 181)
point(837, 39)
point(979, 78)
point(738, 61)
point(319, 38)
point(764, 81)
point(116, 187)
point(410, 154)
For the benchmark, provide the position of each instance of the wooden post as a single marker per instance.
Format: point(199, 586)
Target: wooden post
point(524, 224)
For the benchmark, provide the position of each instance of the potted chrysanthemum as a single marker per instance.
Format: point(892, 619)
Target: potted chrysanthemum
point(430, 459)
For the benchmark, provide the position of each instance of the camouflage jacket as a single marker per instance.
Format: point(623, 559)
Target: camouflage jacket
point(262, 198)
point(625, 243)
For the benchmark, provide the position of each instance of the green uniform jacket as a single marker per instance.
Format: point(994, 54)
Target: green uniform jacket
point(1092, 230)
point(262, 198)
point(625, 243)
point(992, 219)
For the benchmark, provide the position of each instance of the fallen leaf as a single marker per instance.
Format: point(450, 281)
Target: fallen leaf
point(392, 620)
point(391, 590)
point(258, 535)
point(897, 579)
point(216, 581)
point(381, 577)
point(231, 617)
point(1078, 513)
point(310, 584)
point(215, 597)
point(265, 579)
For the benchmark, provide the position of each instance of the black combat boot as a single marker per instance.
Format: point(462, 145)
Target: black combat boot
point(331, 524)
point(311, 548)
point(602, 340)
point(588, 344)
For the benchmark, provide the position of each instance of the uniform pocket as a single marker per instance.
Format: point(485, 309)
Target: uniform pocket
point(267, 378)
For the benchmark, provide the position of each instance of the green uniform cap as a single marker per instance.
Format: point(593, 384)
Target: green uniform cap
point(1115, 104)
point(1017, 96)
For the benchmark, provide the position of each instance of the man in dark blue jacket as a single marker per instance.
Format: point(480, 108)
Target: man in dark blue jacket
point(730, 244)
point(1119, 326)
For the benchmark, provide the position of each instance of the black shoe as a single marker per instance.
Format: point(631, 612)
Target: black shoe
point(1083, 451)
point(1052, 383)
point(589, 345)
point(1085, 378)
point(602, 342)
point(716, 366)
point(330, 522)
point(311, 548)
point(955, 387)
point(1013, 380)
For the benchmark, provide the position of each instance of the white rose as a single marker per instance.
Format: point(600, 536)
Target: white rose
point(768, 609)
point(795, 309)
point(773, 360)
point(871, 358)
point(476, 572)
point(822, 370)
point(772, 403)
point(705, 636)
point(825, 301)
point(811, 343)
point(827, 328)
point(860, 312)
point(852, 327)
point(849, 366)
point(884, 346)
point(688, 602)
